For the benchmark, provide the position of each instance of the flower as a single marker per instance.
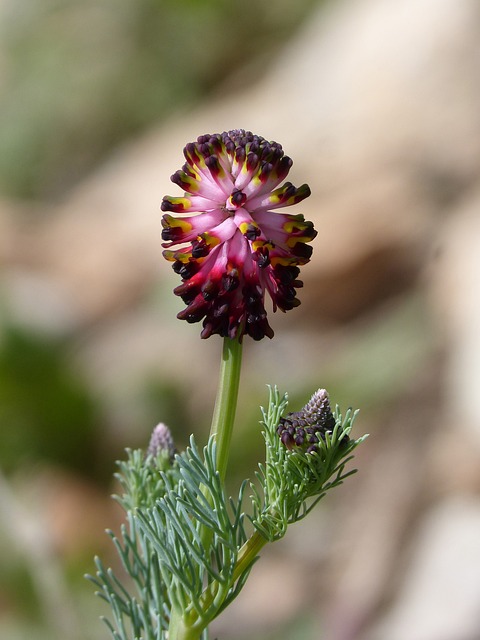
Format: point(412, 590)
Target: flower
point(302, 429)
point(230, 247)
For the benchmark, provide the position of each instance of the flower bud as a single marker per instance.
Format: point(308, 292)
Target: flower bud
point(161, 440)
point(302, 429)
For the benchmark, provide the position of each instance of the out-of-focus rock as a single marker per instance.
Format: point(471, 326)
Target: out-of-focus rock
point(455, 285)
point(388, 85)
point(372, 243)
point(439, 598)
point(375, 516)
point(272, 597)
point(29, 295)
point(75, 512)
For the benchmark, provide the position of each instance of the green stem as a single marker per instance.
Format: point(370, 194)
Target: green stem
point(221, 430)
point(177, 630)
point(247, 553)
point(226, 401)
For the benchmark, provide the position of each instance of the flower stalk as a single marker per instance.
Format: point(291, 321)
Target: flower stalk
point(248, 553)
point(226, 401)
point(177, 629)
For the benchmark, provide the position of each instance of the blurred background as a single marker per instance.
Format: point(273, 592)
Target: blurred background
point(378, 103)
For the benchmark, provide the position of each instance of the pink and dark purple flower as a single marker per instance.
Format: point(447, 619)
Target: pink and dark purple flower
point(226, 240)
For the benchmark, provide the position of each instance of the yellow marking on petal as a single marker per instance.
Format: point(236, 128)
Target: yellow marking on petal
point(285, 262)
point(193, 183)
point(169, 255)
point(185, 202)
point(258, 244)
point(291, 242)
point(221, 172)
point(273, 199)
point(196, 173)
point(184, 225)
point(210, 239)
point(295, 224)
point(196, 160)
point(247, 226)
point(181, 256)
point(256, 180)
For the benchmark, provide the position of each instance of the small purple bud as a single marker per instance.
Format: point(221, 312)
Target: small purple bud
point(318, 412)
point(161, 440)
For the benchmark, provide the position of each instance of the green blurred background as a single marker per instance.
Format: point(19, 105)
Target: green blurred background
point(79, 78)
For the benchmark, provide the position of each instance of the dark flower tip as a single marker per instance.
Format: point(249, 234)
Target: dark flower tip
point(302, 430)
point(226, 240)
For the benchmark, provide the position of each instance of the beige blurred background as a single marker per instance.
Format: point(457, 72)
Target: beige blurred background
point(378, 103)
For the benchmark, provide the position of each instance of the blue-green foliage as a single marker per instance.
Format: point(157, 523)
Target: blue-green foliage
point(180, 546)
point(184, 542)
point(293, 482)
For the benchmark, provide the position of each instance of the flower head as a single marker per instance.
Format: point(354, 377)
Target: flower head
point(229, 245)
point(302, 429)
